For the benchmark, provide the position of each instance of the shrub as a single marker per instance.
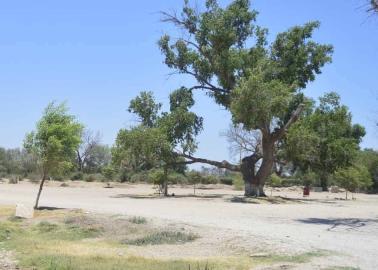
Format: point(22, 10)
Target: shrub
point(309, 178)
point(238, 182)
point(274, 180)
point(58, 177)
point(163, 237)
point(142, 177)
point(77, 176)
point(123, 175)
point(353, 178)
point(138, 220)
point(158, 177)
point(94, 177)
point(108, 172)
point(177, 178)
point(226, 181)
point(209, 179)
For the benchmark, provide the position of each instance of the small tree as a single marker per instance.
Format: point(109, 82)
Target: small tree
point(353, 178)
point(155, 142)
point(54, 142)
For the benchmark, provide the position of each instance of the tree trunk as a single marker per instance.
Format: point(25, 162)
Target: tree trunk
point(324, 182)
point(40, 190)
point(79, 161)
point(253, 190)
point(266, 166)
point(165, 182)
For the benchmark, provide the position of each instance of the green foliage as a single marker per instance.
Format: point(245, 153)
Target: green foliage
point(309, 178)
point(141, 148)
point(108, 172)
point(96, 177)
point(353, 178)
point(141, 177)
point(226, 181)
point(230, 58)
point(17, 162)
point(238, 182)
point(159, 177)
point(369, 158)
point(274, 180)
point(325, 139)
point(77, 176)
point(146, 108)
point(153, 143)
point(195, 177)
point(55, 140)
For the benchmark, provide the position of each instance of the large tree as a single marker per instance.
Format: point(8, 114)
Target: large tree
point(324, 140)
point(54, 142)
point(260, 83)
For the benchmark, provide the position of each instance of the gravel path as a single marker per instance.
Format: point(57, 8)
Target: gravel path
point(349, 228)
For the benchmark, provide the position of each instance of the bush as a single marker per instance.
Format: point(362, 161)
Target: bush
point(226, 181)
point(238, 182)
point(177, 178)
point(142, 177)
point(158, 177)
point(97, 177)
point(108, 172)
point(274, 180)
point(309, 178)
point(209, 179)
point(138, 220)
point(163, 237)
point(77, 176)
point(123, 175)
point(353, 178)
point(58, 177)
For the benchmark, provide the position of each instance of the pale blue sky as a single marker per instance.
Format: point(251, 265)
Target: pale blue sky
point(97, 55)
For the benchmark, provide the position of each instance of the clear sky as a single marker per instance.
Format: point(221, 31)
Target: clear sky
point(97, 55)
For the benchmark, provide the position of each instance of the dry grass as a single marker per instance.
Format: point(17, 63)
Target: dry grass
point(65, 239)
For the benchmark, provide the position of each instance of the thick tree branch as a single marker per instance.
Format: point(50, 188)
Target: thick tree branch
point(279, 133)
point(224, 164)
point(210, 88)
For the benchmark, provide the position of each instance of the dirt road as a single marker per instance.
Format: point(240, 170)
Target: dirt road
point(348, 228)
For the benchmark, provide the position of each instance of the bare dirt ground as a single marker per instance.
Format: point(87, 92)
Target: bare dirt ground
point(286, 225)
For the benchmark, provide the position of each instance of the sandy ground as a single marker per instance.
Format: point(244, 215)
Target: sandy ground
point(349, 229)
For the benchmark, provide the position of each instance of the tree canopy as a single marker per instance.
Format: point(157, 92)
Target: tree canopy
point(55, 141)
point(260, 83)
point(325, 139)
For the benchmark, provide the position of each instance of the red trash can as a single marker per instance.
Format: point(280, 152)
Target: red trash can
point(306, 191)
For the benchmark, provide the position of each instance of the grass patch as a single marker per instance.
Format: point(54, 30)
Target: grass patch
point(71, 232)
point(341, 268)
point(297, 258)
point(138, 220)
point(7, 230)
point(6, 211)
point(162, 237)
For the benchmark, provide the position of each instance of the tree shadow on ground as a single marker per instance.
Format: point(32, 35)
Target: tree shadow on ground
point(157, 196)
point(306, 200)
point(263, 200)
point(278, 200)
point(334, 223)
point(48, 208)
